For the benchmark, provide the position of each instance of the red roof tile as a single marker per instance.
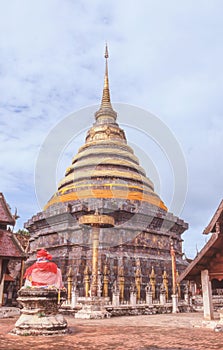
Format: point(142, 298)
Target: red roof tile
point(8, 278)
point(5, 214)
point(9, 246)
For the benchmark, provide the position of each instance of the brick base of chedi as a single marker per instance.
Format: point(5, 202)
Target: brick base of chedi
point(39, 315)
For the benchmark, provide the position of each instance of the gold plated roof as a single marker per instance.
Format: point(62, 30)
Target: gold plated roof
point(105, 166)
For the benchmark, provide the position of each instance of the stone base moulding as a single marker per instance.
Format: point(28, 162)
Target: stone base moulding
point(39, 315)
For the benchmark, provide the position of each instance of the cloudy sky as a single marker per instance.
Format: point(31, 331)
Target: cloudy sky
point(165, 57)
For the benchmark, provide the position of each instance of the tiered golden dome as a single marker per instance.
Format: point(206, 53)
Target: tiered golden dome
point(105, 166)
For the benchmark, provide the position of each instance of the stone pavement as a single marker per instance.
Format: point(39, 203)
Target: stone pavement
point(153, 332)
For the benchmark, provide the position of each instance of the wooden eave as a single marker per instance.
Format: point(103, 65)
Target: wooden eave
point(202, 260)
point(6, 216)
point(218, 215)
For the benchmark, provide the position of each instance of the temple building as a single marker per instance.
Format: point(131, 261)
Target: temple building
point(206, 270)
point(105, 178)
point(12, 255)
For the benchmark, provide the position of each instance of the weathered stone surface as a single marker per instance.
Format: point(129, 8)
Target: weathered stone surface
point(6, 312)
point(39, 315)
point(92, 308)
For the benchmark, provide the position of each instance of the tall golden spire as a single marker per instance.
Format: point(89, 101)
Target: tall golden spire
point(106, 102)
point(106, 107)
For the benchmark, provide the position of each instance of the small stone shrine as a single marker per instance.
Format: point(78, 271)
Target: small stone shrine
point(40, 298)
point(12, 256)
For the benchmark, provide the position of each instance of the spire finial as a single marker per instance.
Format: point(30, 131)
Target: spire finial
point(106, 107)
point(106, 51)
point(106, 102)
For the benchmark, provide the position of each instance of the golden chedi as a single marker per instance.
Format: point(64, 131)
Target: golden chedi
point(106, 176)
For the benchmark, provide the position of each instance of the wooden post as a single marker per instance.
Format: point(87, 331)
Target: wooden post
point(21, 274)
point(207, 295)
point(1, 282)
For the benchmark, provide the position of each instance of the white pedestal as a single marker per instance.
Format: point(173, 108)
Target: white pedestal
point(163, 298)
point(133, 298)
point(175, 304)
point(149, 298)
point(115, 298)
point(74, 296)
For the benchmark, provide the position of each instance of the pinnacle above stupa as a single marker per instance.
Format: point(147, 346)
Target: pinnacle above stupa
point(106, 109)
point(105, 166)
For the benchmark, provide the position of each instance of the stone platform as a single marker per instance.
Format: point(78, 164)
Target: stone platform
point(90, 311)
point(39, 315)
point(92, 308)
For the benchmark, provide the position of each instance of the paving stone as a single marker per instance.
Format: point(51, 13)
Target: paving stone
point(152, 332)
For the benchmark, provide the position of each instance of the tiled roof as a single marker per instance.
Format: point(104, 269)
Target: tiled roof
point(5, 214)
point(9, 246)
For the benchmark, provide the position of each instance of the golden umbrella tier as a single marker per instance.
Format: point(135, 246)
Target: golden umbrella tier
point(98, 220)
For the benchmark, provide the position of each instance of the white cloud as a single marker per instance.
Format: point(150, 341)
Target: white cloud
point(166, 57)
